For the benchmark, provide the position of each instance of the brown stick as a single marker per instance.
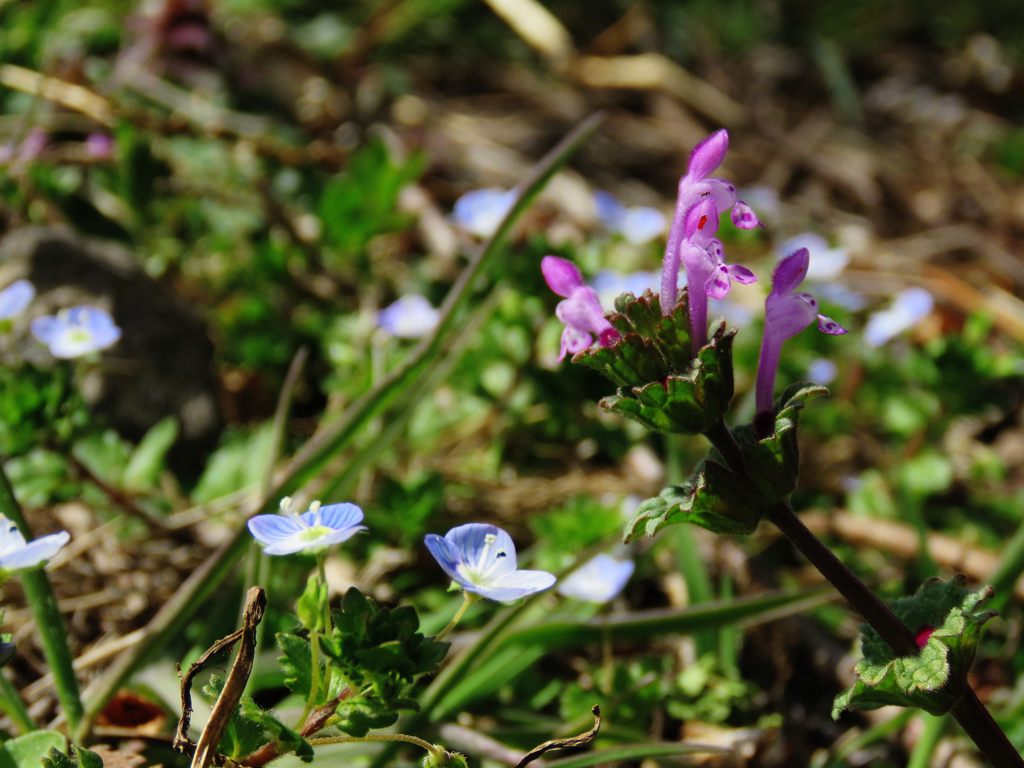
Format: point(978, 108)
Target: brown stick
point(234, 686)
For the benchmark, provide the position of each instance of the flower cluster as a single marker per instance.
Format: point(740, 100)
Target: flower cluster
point(581, 311)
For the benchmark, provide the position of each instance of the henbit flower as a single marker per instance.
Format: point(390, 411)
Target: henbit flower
point(786, 313)
point(637, 225)
point(18, 555)
point(908, 308)
point(15, 298)
point(76, 332)
point(700, 203)
point(581, 311)
point(480, 211)
point(411, 317)
point(598, 580)
point(315, 530)
point(482, 559)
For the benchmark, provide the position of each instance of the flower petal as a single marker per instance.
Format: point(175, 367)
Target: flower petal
point(641, 225)
point(827, 325)
point(272, 529)
point(598, 580)
point(15, 298)
point(410, 317)
point(790, 272)
point(741, 274)
point(446, 555)
point(562, 276)
point(743, 216)
point(787, 315)
point(516, 585)
point(718, 285)
point(574, 341)
point(701, 219)
point(46, 328)
point(486, 548)
point(708, 155)
point(35, 553)
point(340, 516)
point(610, 211)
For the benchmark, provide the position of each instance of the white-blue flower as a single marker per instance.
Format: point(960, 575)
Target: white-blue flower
point(482, 559)
point(637, 225)
point(610, 284)
point(908, 308)
point(822, 371)
point(411, 317)
point(15, 298)
point(598, 580)
point(18, 555)
point(315, 530)
point(76, 332)
point(481, 210)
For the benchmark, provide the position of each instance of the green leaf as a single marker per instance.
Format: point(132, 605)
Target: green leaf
point(950, 616)
point(312, 604)
point(675, 396)
point(30, 750)
point(296, 662)
point(148, 458)
point(286, 739)
point(381, 654)
point(79, 758)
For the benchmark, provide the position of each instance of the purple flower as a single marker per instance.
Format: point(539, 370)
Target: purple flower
point(76, 332)
point(17, 555)
point(581, 311)
point(908, 309)
point(691, 238)
point(786, 313)
point(411, 317)
point(315, 530)
point(637, 225)
point(480, 211)
point(99, 146)
point(15, 298)
point(598, 580)
point(482, 559)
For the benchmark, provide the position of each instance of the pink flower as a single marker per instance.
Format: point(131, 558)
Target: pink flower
point(581, 311)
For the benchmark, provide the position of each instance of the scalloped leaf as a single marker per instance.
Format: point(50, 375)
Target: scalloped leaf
point(948, 617)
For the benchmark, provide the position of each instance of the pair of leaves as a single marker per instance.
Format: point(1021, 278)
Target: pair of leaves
point(948, 619)
point(723, 501)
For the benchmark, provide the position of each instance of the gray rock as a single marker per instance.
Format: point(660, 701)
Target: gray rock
point(163, 364)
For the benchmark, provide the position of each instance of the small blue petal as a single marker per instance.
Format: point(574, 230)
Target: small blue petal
point(411, 317)
point(598, 580)
point(822, 371)
point(15, 298)
point(610, 211)
point(445, 555)
point(340, 516)
point(481, 210)
point(272, 529)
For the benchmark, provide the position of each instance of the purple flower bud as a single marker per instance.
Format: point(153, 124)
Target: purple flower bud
point(580, 311)
point(786, 313)
point(743, 216)
point(707, 155)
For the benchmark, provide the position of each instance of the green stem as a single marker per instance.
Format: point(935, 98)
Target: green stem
point(52, 631)
point(433, 749)
point(468, 598)
point(13, 706)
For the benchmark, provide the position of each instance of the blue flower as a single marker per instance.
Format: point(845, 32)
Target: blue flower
point(610, 284)
point(76, 332)
point(481, 210)
point(822, 371)
point(18, 555)
point(637, 225)
point(598, 580)
point(15, 298)
point(315, 530)
point(411, 317)
point(482, 559)
point(908, 309)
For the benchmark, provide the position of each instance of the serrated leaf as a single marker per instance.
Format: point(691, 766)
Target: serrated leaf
point(30, 750)
point(79, 758)
point(948, 619)
point(297, 663)
point(286, 739)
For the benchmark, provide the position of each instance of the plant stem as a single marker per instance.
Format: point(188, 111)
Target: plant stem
point(14, 707)
point(371, 737)
point(53, 634)
point(933, 726)
point(972, 715)
point(468, 598)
